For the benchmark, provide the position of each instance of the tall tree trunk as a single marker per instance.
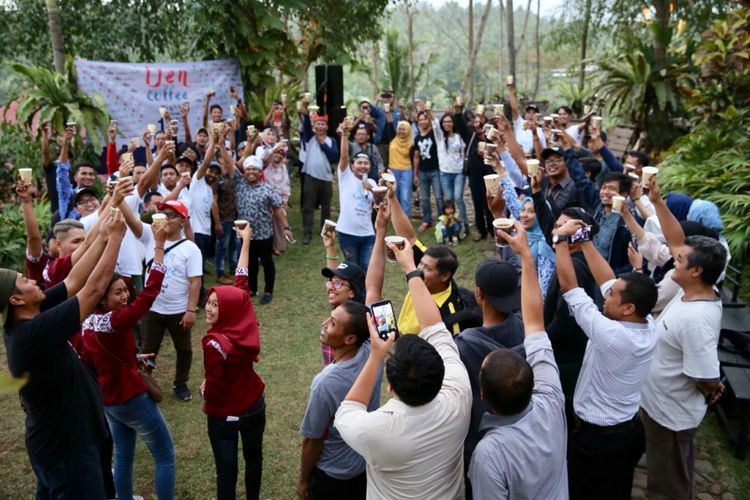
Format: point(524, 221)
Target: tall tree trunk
point(501, 62)
point(56, 35)
point(375, 63)
point(525, 25)
point(468, 82)
point(538, 75)
point(584, 44)
point(511, 38)
point(410, 44)
point(661, 15)
point(470, 38)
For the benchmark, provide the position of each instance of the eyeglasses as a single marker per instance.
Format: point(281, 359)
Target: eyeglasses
point(553, 160)
point(86, 201)
point(336, 284)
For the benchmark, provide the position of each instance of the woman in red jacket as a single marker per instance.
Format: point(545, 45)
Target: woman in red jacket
point(232, 391)
point(110, 348)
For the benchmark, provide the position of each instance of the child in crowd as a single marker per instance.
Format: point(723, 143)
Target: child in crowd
point(448, 228)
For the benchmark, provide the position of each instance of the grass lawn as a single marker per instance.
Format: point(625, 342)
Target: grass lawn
point(290, 358)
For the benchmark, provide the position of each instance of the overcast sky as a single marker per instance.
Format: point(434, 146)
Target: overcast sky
point(548, 7)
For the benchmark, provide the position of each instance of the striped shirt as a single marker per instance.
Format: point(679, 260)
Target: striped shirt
point(616, 363)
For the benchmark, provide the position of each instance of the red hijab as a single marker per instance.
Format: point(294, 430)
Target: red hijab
point(237, 327)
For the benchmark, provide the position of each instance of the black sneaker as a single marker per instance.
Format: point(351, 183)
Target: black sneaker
point(182, 392)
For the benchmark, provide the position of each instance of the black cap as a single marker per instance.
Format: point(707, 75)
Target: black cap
point(353, 274)
point(498, 281)
point(532, 106)
point(81, 191)
point(361, 154)
point(185, 159)
point(554, 150)
point(215, 164)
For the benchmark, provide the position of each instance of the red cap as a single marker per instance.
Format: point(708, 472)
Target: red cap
point(177, 206)
point(320, 118)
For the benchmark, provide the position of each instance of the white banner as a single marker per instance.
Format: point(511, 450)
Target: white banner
point(135, 92)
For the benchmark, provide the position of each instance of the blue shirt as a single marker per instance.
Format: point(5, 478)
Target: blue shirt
point(380, 121)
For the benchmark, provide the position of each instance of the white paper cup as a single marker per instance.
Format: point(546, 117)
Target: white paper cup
point(157, 219)
point(125, 178)
point(399, 241)
point(617, 203)
point(547, 121)
point(533, 167)
point(379, 194)
point(388, 177)
point(428, 105)
point(162, 111)
point(502, 224)
point(492, 183)
point(240, 224)
point(647, 173)
point(185, 175)
point(26, 174)
point(386, 107)
point(499, 108)
point(596, 122)
point(481, 147)
point(509, 80)
point(329, 226)
point(628, 166)
point(151, 127)
point(480, 109)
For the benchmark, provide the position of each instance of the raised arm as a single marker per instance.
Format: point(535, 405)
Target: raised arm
point(599, 267)
point(344, 156)
point(515, 111)
point(209, 95)
point(150, 177)
point(670, 226)
point(425, 308)
point(566, 274)
point(184, 111)
point(376, 268)
point(34, 246)
point(400, 221)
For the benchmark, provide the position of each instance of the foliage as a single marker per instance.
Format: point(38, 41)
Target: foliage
point(259, 103)
point(50, 96)
point(713, 161)
point(574, 96)
point(17, 149)
point(13, 234)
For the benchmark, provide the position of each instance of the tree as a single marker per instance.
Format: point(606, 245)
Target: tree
point(474, 45)
point(56, 35)
point(511, 37)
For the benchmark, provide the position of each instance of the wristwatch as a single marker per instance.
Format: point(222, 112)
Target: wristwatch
point(288, 228)
point(414, 274)
point(557, 238)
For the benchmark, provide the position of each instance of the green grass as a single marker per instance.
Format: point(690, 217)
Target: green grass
point(290, 358)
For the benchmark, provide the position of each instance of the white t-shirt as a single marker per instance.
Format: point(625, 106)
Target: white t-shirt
point(182, 263)
point(574, 132)
point(524, 137)
point(415, 452)
point(685, 353)
point(355, 217)
point(201, 199)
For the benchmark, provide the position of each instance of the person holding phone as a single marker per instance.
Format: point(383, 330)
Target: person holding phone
point(110, 349)
point(425, 422)
point(232, 390)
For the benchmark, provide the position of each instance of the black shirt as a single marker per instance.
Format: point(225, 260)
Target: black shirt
point(427, 147)
point(62, 399)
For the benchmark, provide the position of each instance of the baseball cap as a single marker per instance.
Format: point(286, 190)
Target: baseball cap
point(175, 205)
point(253, 161)
point(319, 118)
point(361, 155)
point(205, 131)
point(353, 274)
point(185, 159)
point(532, 106)
point(7, 282)
point(498, 281)
point(215, 164)
point(554, 150)
point(81, 191)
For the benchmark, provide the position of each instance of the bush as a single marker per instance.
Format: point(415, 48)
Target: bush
point(13, 234)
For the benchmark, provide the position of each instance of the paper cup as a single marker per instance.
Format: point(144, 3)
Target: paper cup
point(313, 108)
point(481, 146)
point(509, 80)
point(388, 177)
point(492, 183)
point(400, 243)
point(73, 126)
point(459, 100)
point(157, 219)
point(533, 167)
point(428, 105)
point(240, 224)
point(125, 178)
point(634, 176)
point(617, 203)
point(378, 194)
point(499, 109)
point(151, 127)
point(480, 109)
point(547, 121)
point(162, 111)
point(502, 224)
point(329, 227)
point(114, 211)
point(628, 166)
point(26, 175)
point(596, 122)
point(647, 173)
point(186, 175)
point(126, 157)
point(387, 107)
point(307, 96)
point(555, 116)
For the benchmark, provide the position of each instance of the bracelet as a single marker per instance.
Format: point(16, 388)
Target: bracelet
point(191, 311)
point(333, 257)
point(288, 228)
point(637, 269)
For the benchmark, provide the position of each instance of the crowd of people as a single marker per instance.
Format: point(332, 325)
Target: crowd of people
point(590, 337)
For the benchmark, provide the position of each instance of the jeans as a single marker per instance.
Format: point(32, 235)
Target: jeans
point(453, 190)
point(325, 487)
point(430, 181)
point(403, 186)
point(224, 436)
point(357, 249)
point(140, 416)
point(78, 476)
point(224, 243)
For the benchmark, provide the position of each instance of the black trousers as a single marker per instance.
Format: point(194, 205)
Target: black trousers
point(325, 487)
point(482, 216)
point(316, 193)
point(261, 254)
point(602, 460)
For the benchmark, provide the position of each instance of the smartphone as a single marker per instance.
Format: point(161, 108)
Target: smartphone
point(583, 234)
point(385, 319)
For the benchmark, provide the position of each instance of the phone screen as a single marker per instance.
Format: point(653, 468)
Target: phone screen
point(583, 234)
point(385, 318)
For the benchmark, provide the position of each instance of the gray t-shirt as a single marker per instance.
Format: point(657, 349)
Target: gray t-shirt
point(328, 390)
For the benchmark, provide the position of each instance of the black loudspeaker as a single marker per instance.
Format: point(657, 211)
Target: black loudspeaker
point(329, 94)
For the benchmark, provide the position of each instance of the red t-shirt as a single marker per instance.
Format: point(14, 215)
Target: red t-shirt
point(57, 270)
point(35, 267)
